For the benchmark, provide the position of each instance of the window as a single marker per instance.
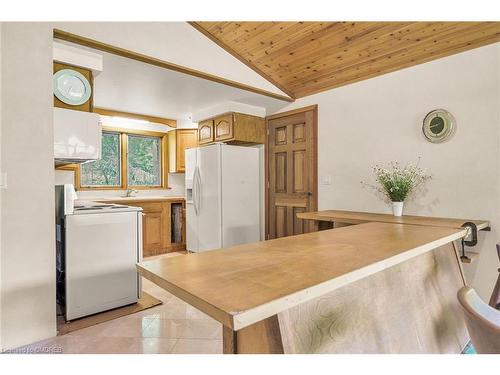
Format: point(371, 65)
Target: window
point(104, 172)
point(129, 159)
point(144, 160)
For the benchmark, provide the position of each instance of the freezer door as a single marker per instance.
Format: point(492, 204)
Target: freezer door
point(240, 195)
point(209, 197)
point(101, 254)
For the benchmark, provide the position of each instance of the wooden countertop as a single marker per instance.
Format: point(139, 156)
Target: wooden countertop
point(353, 217)
point(139, 199)
point(245, 284)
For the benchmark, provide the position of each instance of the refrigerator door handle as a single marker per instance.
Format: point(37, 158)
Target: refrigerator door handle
point(198, 191)
point(195, 191)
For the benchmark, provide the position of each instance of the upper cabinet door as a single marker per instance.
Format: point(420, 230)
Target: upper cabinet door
point(224, 129)
point(205, 132)
point(186, 138)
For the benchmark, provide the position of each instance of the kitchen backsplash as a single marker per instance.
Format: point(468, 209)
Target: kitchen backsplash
point(175, 181)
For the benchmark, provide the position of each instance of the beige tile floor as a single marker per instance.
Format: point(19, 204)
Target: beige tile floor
point(173, 327)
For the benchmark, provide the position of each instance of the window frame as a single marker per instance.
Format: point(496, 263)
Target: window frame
point(124, 133)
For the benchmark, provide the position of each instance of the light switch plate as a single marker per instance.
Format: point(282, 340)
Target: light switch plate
point(326, 180)
point(3, 180)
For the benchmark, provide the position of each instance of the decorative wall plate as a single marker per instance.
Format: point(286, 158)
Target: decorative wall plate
point(71, 87)
point(438, 126)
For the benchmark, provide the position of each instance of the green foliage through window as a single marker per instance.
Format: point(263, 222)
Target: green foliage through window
point(144, 161)
point(106, 171)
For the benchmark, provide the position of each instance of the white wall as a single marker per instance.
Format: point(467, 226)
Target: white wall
point(134, 86)
point(1, 26)
point(175, 42)
point(27, 226)
point(380, 119)
point(228, 106)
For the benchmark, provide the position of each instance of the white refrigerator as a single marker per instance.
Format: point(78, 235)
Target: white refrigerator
point(222, 196)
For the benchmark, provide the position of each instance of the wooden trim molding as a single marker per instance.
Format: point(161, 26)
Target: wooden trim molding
point(293, 112)
point(244, 61)
point(77, 39)
point(112, 129)
point(138, 116)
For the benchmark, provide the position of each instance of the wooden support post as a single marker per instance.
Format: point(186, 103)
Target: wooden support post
point(263, 337)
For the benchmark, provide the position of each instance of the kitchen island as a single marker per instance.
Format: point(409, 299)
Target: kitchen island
point(375, 287)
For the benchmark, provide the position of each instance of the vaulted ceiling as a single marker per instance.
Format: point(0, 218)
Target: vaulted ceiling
point(303, 58)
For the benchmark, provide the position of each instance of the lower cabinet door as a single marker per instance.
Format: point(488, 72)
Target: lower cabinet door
point(152, 232)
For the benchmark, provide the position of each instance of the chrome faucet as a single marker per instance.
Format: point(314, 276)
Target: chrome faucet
point(132, 192)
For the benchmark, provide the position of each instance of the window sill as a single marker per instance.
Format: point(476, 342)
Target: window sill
point(105, 188)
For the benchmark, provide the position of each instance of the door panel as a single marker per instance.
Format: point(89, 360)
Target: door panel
point(299, 225)
point(292, 172)
point(205, 132)
point(281, 229)
point(300, 183)
point(281, 176)
point(223, 127)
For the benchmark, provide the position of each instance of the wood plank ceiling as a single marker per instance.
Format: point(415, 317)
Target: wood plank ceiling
point(304, 58)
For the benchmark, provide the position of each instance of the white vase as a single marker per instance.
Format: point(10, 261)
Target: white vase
point(397, 208)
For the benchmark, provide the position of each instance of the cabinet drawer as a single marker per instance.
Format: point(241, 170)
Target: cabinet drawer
point(149, 207)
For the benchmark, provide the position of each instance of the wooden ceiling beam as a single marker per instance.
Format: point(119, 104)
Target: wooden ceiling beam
point(137, 116)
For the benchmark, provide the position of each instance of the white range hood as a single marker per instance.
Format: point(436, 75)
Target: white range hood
point(77, 136)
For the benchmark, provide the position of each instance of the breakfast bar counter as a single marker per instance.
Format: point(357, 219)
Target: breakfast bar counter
point(375, 287)
point(355, 217)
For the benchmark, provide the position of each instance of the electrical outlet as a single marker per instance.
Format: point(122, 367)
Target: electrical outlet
point(3, 180)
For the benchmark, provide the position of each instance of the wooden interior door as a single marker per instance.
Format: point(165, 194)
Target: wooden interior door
point(291, 171)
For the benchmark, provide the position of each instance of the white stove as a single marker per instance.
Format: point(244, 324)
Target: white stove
point(98, 246)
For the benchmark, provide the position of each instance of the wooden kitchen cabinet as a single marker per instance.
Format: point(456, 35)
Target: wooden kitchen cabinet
point(206, 132)
point(234, 128)
point(156, 224)
point(223, 128)
point(179, 140)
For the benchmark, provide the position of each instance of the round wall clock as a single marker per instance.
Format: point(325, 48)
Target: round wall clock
point(438, 125)
point(71, 87)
